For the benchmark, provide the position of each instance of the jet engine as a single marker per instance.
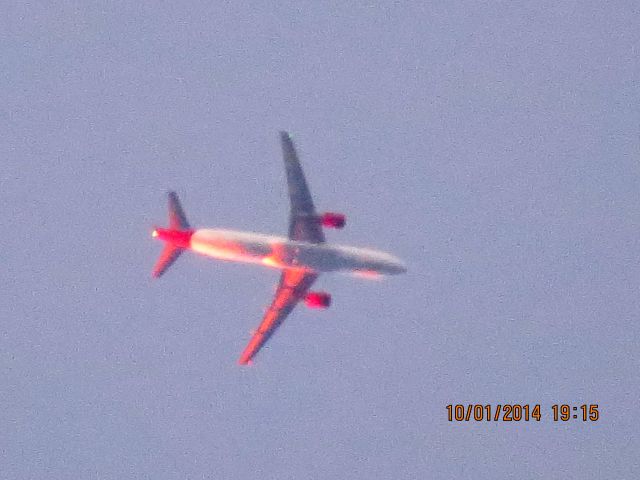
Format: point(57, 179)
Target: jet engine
point(333, 220)
point(317, 300)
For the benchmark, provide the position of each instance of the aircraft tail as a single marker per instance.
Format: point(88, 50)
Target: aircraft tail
point(177, 218)
point(176, 237)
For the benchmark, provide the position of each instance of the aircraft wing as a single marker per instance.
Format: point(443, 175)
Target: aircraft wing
point(303, 227)
point(293, 286)
point(303, 223)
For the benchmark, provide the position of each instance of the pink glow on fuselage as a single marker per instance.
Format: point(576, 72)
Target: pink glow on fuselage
point(237, 246)
point(272, 262)
point(367, 274)
point(281, 253)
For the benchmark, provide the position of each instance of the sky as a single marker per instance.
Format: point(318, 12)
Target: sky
point(493, 146)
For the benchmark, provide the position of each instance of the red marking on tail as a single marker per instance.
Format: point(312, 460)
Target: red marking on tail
point(178, 238)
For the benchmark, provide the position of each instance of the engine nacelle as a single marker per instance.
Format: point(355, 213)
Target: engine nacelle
point(317, 300)
point(333, 220)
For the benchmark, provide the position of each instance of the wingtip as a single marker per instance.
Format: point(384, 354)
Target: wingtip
point(284, 135)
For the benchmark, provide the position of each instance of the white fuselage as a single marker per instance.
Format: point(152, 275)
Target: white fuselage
point(280, 252)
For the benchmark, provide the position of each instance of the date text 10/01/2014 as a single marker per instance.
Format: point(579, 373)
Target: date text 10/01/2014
point(520, 412)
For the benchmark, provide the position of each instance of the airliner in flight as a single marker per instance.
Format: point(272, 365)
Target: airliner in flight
point(302, 256)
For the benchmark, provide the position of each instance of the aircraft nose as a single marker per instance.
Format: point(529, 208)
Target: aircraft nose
point(400, 268)
point(397, 267)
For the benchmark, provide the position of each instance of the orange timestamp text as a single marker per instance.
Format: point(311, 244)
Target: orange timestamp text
point(520, 412)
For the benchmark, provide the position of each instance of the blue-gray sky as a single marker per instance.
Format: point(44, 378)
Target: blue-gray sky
point(492, 145)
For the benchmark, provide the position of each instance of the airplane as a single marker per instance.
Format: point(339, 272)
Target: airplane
point(301, 257)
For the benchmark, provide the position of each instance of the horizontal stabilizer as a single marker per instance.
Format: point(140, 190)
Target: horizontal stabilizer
point(169, 254)
point(176, 237)
point(177, 218)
